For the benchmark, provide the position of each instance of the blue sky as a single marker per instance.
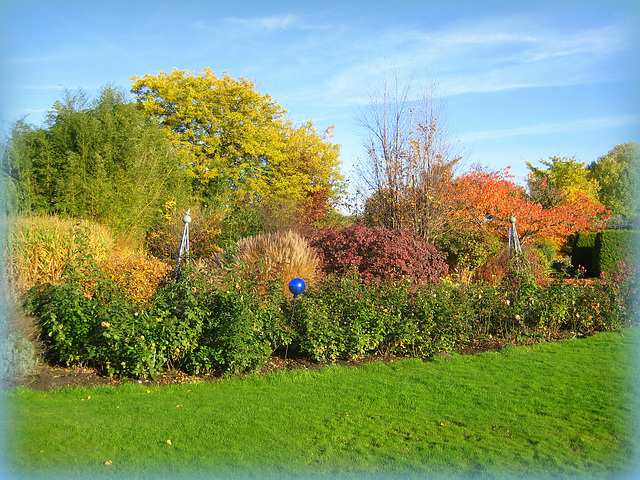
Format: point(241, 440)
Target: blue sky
point(523, 80)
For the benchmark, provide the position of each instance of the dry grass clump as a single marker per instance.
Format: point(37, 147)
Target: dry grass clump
point(277, 256)
point(138, 273)
point(496, 269)
point(39, 246)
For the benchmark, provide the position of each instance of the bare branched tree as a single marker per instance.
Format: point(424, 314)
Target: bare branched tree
point(411, 159)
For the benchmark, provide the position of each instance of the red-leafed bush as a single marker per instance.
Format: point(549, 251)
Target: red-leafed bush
point(379, 254)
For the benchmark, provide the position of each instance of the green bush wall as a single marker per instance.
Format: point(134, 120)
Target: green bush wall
point(613, 247)
point(599, 252)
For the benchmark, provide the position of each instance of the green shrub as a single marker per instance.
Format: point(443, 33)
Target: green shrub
point(70, 318)
point(344, 316)
point(487, 304)
point(599, 252)
point(615, 246)
point(102, 328)
point(585, 306)
point(241, 327)
point(234, 325)
point(353, 314)
point(248, 328)
point(341, 317)
point(186, 325)
point(177, 321)
point(620, 292)
point(318, 331)
point(439, 316)
point(556, 308)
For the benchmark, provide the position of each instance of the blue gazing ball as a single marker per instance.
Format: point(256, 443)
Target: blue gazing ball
point(297, 286)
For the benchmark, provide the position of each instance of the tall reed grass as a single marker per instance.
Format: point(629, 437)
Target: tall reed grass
point(38, 247)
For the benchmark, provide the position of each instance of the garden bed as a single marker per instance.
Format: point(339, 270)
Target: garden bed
point(47, 377)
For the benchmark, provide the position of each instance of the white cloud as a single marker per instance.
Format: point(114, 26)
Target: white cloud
point(482, 56)
point(597, 123)
point(268, 24)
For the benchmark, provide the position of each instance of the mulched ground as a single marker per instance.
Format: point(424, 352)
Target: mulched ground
point(48, 377)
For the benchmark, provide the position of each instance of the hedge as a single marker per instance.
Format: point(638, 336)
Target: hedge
point(599, 252)
point(613, 246)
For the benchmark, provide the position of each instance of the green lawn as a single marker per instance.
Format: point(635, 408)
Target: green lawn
point(551, 410)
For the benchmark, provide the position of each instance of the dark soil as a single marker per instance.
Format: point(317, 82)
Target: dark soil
point(48, 377)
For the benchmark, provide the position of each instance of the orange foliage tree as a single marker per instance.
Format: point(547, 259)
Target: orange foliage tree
point(486, 200)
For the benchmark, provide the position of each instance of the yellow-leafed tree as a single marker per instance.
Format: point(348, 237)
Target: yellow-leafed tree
point(238, 144)
point(564, 178)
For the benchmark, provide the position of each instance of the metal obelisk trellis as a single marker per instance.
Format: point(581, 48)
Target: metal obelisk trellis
point(183, 252)
point(514, 243)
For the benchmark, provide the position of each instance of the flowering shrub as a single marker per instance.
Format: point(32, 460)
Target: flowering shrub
point(71, 319)
point(233, 326)
point(344, 316)
point(379, 254)
point(623, 286)
point(186, 325)
point(245, 328)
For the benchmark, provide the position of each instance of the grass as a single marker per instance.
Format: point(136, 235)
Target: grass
point(552, 410)
point(279, 255)
point(39, 246)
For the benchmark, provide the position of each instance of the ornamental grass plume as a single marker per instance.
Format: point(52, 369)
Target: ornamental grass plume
point(277, 256)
